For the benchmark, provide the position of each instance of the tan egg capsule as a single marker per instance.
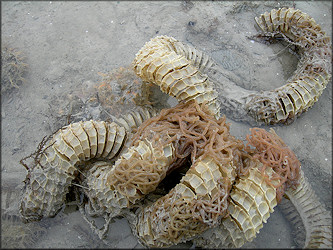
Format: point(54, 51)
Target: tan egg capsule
point(175, 76)
point(144, 54)
point(303, 93)
point(282, 17)
point(288, 105)
point(322, 78)
point(101, 137)
point(250, 188)
point(166, 41)
point(63, 148)
point(275, 19)
point(316, 219)
point(208, 96)
point(193, 55)
point(248, 203)
point(228, 171)
point(180, 48)
point(269, 191)
point(236, 237)
point(315, 84)
point(129, 118)
point(56, 160)
point(268, 22)
point(185, 191)
point(260, 22)
point(110, 139)
point(159, 62)
point(147, 113)
point(219, 237)
point(189, 91)
point(200, 185)
point(79, 132)
point(124, 123)
point(169, 75)
point(196, 183)
point(142, 68)
point(295, 17)
point(73, 141)
point(243, 220)
point(138, 171)
point(48, 182)
point(196, 57)
point(43, 197)
point(178, 62)
point(135, 118)
point(186, 82)
point(251, 202)
point(289, 13)
point(300, 29)
point(206, 173)
point(296, 98)
point(311, 90)
point(89, 128)
point(99, 193)
point(118, 143)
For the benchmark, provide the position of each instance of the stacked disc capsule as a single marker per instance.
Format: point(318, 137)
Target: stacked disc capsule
point(313, 73)
point(158, 62)
point(250, 204)
point(55, 168)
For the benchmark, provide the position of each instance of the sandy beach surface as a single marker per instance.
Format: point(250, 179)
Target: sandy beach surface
point(72, 47)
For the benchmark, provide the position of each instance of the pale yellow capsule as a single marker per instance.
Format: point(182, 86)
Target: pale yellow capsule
point(158, 62)
point(77, 129)
point(172, 78)
point(178, 63)
point(243, 220)
point(249, 205)
point(141, 68)
point(120, 138)
point(63, 148)
point(185, 191)
point(89, 128)
point(257, 194)
point(303, 93)
point(111, 135)
point(296, 98)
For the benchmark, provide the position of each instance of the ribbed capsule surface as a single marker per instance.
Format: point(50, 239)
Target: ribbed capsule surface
point(56, 162)
point(295, 24)
point(192, 206)
point(313, 73)
point(102, 197)
point(316, 220)
point(169, 64)
point(134, 119)
point(139, 170)
point(251, 202)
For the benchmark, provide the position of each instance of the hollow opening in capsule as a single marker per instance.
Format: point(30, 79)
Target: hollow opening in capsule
point(283, 106)
point(175, 175)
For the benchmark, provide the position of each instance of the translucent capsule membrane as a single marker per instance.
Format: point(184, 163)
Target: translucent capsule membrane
point(189, 209)
point(304, 88)
point(134, 119)
point(175, 68)
point(252, 201)
point(140, 169)
point(316, 219)
point(48, 182)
